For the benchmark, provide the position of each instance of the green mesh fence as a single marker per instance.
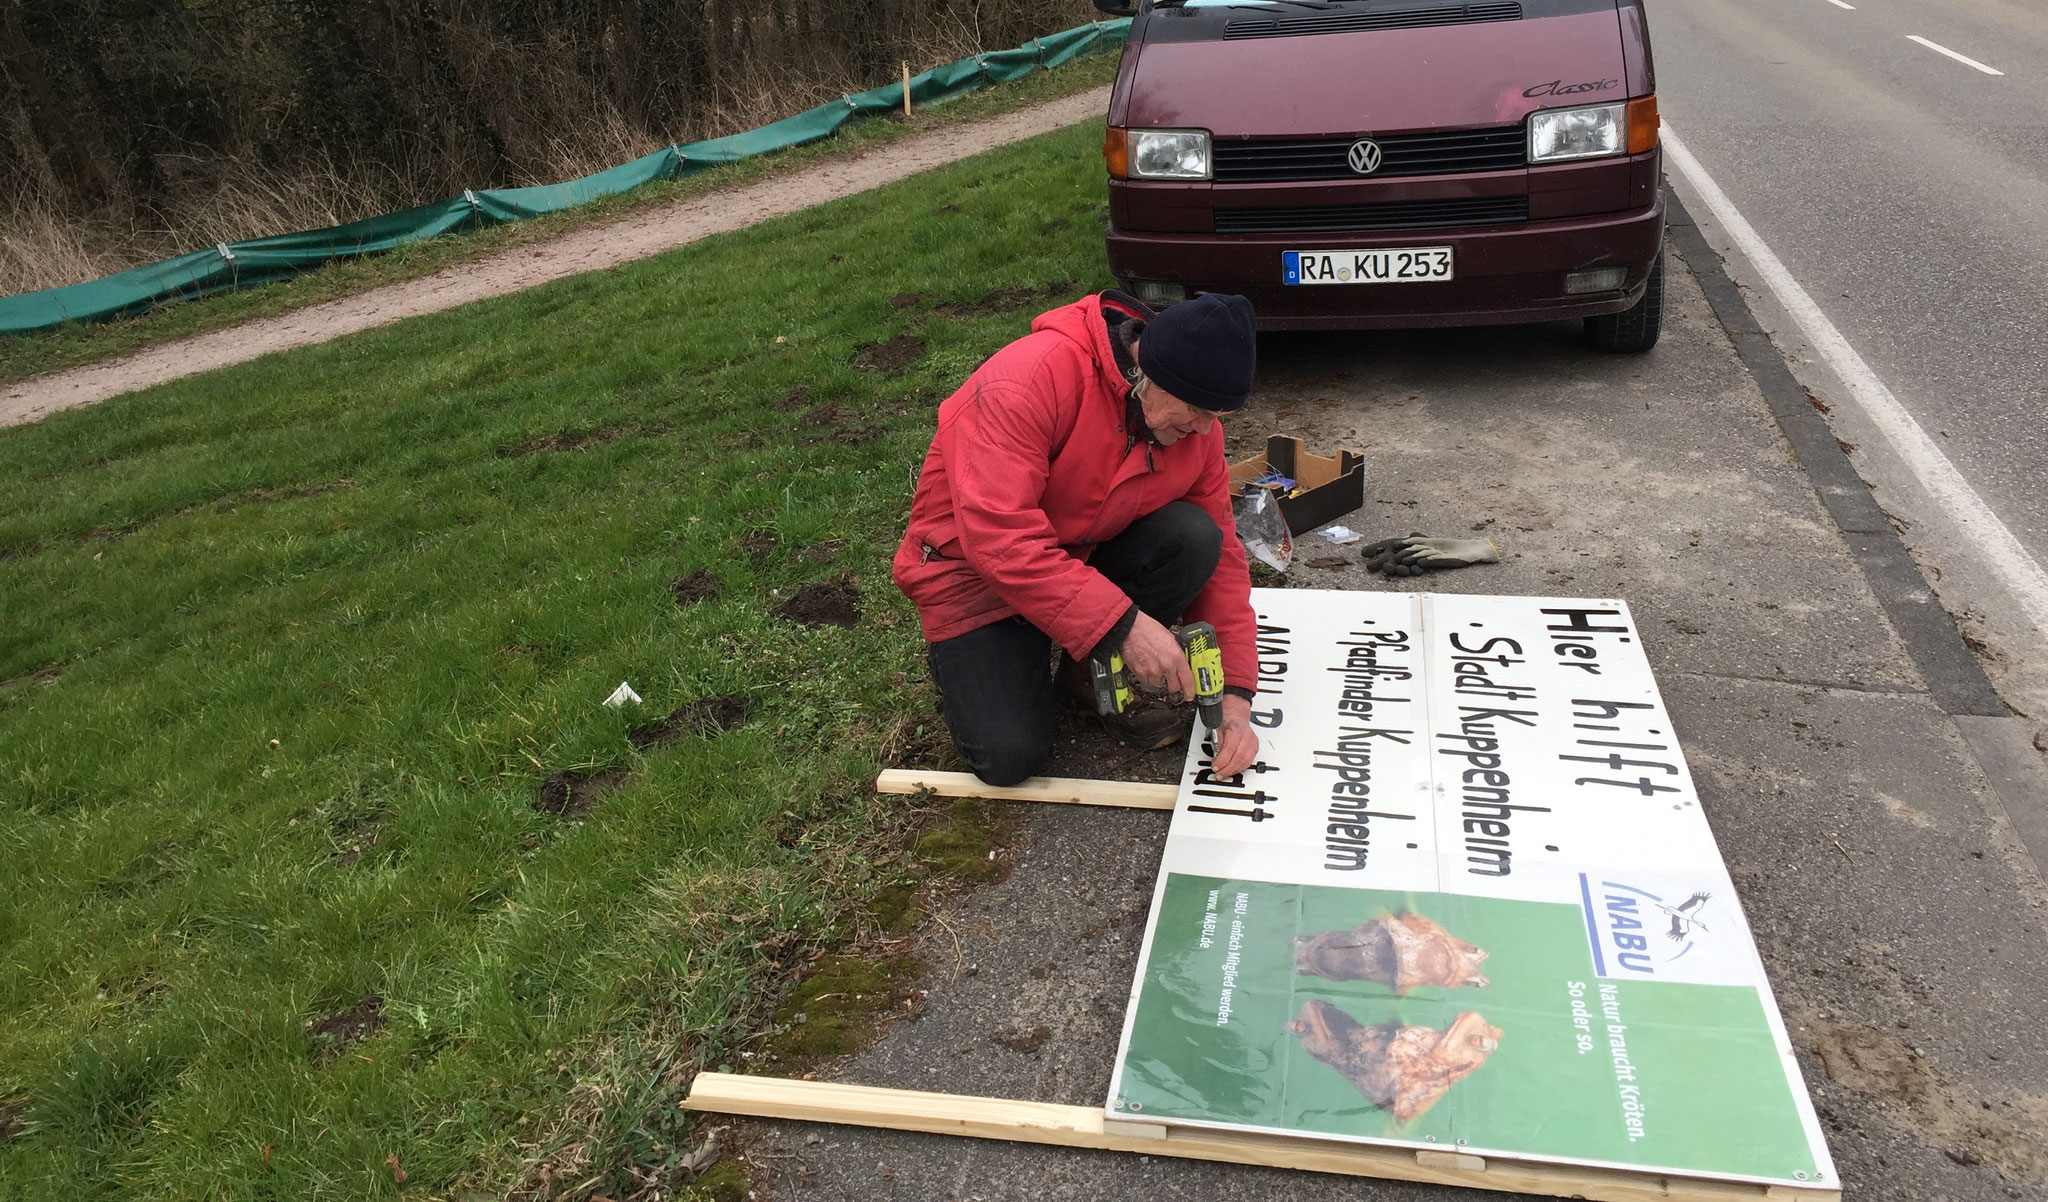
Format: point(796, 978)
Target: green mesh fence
point(245, 264)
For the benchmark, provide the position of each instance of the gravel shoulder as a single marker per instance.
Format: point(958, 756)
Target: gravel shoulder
point(1895, 904)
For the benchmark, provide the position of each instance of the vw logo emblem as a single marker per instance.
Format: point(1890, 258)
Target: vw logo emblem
point(1364, 156)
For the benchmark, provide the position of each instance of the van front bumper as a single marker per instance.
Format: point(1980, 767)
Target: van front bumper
point(1505, 273)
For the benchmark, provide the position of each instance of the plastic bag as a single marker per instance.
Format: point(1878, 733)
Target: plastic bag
point(1263, 529)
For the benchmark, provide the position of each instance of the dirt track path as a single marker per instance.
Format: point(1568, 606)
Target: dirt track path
point(592, 249)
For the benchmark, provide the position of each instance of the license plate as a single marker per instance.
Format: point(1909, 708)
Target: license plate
point(1400, 265)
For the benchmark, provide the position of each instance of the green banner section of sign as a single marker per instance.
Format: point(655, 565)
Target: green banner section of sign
point(1446, 1020)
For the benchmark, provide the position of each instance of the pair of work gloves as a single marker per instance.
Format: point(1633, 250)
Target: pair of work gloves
point(1414, 555)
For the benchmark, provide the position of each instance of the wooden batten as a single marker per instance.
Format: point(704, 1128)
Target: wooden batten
point(1088, 1127)
point(1126, 794)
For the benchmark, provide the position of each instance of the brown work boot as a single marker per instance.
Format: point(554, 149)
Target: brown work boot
point(1074, 685)
point(1147, 725)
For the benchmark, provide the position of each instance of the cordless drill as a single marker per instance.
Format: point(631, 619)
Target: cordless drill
point(1205, 660)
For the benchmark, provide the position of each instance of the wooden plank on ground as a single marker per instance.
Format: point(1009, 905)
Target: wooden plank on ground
point(1088, 1127)
point(1127, 794)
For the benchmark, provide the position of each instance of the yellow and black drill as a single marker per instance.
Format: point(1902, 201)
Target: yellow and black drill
point(1205, 659)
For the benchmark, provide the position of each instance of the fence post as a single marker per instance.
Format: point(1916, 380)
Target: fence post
point(227, 256)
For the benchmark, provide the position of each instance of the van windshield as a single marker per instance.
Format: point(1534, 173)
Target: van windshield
point(1203, 20)
point(1397, 6)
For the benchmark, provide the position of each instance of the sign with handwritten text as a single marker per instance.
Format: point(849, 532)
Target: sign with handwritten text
point(1466, 899)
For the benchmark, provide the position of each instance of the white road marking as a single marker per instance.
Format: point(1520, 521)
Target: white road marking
point(1839, 4)
point(1991, 542)
point(1964, 59)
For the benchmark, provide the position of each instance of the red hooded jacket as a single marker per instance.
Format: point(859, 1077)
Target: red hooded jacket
point(1032, 466)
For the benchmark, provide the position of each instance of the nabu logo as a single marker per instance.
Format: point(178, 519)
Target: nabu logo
point(1635, 932)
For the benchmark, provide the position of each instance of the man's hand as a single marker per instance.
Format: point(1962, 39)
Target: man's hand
point(1154, 658)
point(1237, 744)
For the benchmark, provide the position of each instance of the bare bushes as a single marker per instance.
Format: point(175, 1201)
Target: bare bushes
point(39, 248)
point(132, 132)
point(43, 246)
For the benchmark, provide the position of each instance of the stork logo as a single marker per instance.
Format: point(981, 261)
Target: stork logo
point(1636, 933)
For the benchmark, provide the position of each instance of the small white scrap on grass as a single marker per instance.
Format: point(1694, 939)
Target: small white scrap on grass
point(622, 695)
point(1339, 534)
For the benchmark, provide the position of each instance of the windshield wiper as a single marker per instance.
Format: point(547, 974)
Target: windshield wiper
point(1318, 5)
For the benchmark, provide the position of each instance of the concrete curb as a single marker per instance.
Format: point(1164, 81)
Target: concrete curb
point(1954, 677)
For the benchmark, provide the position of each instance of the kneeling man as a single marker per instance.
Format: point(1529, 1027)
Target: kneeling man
point(1076, 493)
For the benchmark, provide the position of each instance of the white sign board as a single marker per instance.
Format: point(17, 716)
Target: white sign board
point(1465, 899)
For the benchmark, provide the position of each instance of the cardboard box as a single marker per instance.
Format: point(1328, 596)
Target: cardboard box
point(1330, 488)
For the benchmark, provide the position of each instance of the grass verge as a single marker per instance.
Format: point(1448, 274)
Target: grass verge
point(329, 875)
point(27, 355)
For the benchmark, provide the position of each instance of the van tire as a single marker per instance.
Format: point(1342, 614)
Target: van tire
point(1634, 329)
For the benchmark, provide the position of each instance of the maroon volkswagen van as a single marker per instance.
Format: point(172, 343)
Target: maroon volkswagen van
point(1361, 163)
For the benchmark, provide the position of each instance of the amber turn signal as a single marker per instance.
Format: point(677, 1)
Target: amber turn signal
point(1116, 153)
point(1642, 124)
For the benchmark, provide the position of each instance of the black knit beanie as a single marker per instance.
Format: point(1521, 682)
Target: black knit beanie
point(1202, 351)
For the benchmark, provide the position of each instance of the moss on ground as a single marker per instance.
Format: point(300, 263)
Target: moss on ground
point(725, 1181)
point(961, 845)
point(840, 1005)
point(837, 1009)
point(898, 906)
point(955, 846)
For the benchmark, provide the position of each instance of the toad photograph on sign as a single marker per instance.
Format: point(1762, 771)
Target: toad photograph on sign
point(1402, 950)
point(1465, 900)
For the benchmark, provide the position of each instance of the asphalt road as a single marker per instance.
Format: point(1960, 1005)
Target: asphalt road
point(1907, 191)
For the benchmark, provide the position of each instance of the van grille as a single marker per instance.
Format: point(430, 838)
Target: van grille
point(1344, 219)
point(1501, 149)
point(1352, 21)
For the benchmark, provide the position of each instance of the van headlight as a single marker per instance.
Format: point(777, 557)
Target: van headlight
point(1588, 133)
point(1169, 153)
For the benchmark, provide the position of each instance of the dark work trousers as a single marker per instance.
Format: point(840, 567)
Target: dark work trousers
point(996, 681)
